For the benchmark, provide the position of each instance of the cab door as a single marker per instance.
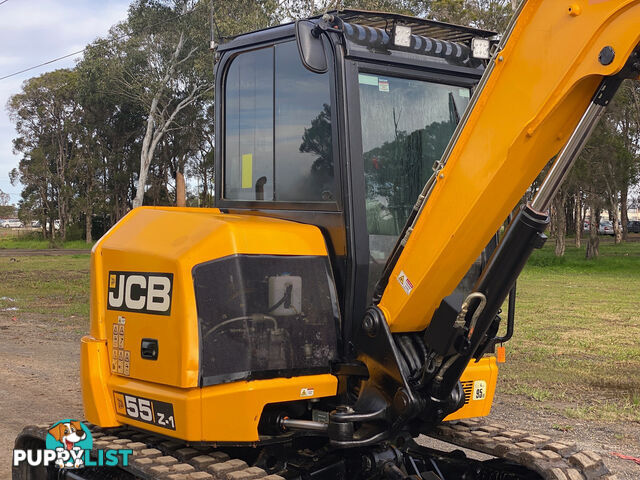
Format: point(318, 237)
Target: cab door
point(400, 122)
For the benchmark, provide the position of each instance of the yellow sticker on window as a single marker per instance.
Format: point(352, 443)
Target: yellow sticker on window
point(247, 170)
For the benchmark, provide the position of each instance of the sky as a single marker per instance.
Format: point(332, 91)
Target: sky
point(36, 31)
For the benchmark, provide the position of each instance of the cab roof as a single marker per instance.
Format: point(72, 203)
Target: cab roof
point(382, 20)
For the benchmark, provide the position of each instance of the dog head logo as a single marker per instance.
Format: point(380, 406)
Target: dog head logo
point(72, 436)
point(68, 433)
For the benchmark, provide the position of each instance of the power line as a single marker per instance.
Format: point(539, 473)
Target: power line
point(81, 51)
point(42, 64)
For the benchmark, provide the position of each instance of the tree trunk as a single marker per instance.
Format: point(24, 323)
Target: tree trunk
point(624, 215)
point(62, 233)
point(593, 246)
point(578, 219)
point(87, 231)
point(142, 176)
point(613, 214)
point(181, 200)
point(205, 190)
point(570, 211)
point(560, 222)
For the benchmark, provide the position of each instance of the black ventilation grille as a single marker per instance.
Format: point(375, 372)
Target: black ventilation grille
point(468, 389)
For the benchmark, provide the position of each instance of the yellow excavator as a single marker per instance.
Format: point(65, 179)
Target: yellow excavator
point(345, 295)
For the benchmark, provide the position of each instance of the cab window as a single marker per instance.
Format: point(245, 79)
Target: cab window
point(278, 144)
point(406, 125)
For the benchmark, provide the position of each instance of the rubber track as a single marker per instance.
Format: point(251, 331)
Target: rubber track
point(553, 460)
point(156, 458)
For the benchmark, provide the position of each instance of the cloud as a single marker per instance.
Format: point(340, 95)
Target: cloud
point(35, 31)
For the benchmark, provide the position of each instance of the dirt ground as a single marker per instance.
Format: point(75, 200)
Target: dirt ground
point(39, 383)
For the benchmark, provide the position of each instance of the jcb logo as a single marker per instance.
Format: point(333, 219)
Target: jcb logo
point(140, 292)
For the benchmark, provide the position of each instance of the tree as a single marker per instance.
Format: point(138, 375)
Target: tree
point(624, 114)
point(603, 174)
point(559, 220)
point(6, 209)
point(202, 163)
point(593, 242)
point(138, 112)
point(168, 80)
point(593, 166)
point(46, 116)
point(578, 216)
point(112, 125)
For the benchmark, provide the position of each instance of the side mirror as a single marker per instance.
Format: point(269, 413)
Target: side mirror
point(310, 46)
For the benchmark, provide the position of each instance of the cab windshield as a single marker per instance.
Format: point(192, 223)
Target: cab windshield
point(406, 125)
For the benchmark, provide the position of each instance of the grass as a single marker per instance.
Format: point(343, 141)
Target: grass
point(576, 348)
point(35, 244)
point(32, 240)
point(55, 286)
point(561, 427)
point(624, 257)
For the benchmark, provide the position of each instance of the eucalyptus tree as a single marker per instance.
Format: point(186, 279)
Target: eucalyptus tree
point(46, 114)
point(159, 69)
point(114, 125)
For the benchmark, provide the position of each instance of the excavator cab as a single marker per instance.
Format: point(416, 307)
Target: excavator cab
point(349, 145)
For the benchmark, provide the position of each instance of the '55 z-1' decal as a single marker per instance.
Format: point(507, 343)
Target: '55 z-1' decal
point(145, 410)
point(143, 292)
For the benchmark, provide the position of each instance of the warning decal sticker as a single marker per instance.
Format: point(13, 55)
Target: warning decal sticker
point(405, 282)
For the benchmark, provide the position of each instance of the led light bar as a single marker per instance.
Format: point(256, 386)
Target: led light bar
point(401, 36)
point(480, 48)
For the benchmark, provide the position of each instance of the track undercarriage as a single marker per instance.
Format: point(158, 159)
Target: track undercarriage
point(511, 454)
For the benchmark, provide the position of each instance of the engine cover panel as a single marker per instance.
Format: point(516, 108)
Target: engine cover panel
point(142, 284)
